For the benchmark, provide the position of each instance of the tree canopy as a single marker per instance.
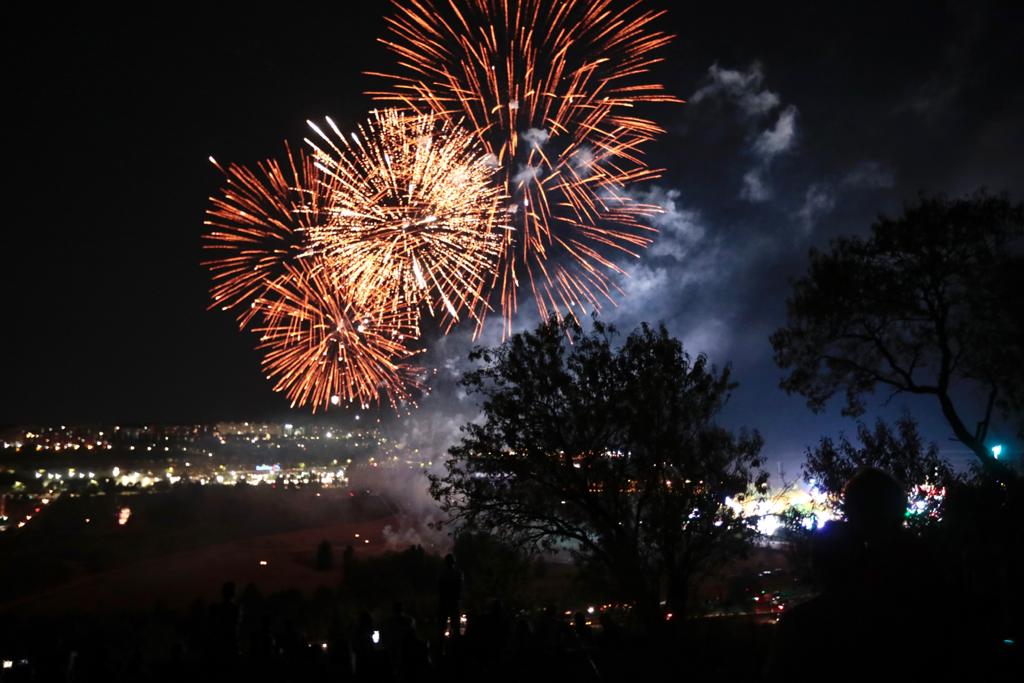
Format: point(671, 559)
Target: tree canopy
point(607, 451)
point(926, 304)
point(898, 450)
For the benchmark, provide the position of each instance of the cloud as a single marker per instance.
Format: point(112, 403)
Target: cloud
point(754, 188)
point(526, 174)
point(711, 336)
point(679, 228)
point(583, 161)
point(537, 137)
point(743, 88)
point(770, 143)
point(819, 200)
point(688, 262)
point(870, 175)
point(778, 139)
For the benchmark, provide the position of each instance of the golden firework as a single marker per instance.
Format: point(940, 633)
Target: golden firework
point(550, 89)
point(415, 212)
point(321, 349)
point(257, 225)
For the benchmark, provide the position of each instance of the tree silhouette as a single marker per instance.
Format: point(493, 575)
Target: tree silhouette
point(927, 304)
point(608, 452)
point(901, 452)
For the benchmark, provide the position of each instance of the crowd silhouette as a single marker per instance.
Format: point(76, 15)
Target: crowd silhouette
point(882, 608)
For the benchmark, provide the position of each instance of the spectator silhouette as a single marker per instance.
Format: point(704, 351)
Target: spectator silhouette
point(584, 633)
point(363, 650)
point(875, 613)
point(449, 593)
point(397, 638)
point(224, 622)
point(551, 631)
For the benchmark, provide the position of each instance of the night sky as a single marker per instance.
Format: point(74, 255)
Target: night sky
point(801, 124)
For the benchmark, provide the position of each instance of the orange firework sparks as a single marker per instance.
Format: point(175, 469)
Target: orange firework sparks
point(322, 350)
point(549, 88)
point(415, 211)
point(257, 226)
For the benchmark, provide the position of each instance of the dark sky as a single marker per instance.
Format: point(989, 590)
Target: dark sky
point(802, 124)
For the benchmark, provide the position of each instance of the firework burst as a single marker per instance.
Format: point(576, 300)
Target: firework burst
point(415, 212)
point(321, 349)
point(257, 225)
point(550, 90)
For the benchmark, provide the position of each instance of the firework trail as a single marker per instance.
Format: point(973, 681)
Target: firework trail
point(321, 349)
point(414, 211)
point(550, 89)
point(257, 225)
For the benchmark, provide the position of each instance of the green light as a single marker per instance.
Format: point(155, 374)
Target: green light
point(997, 450)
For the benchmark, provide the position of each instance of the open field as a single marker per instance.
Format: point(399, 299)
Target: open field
point(180, 545)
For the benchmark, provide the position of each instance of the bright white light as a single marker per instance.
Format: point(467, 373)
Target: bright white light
point(768, 524)
point(375, 637)
point(997, 450)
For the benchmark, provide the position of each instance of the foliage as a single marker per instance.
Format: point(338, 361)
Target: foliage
point(493, 569)
point(608, 452)
point(926, 304)
point(901, 452)
point(409, 576)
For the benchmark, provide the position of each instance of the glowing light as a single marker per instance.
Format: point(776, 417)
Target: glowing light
point(123, 515)
point(314, 353)
point(550, 90)
point(414, 213)
point(257, 225)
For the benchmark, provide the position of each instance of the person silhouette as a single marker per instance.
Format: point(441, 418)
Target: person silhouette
point(876, 611)
point(449, 593)
point(398, 635)
point(363, 647)
point(225, 618)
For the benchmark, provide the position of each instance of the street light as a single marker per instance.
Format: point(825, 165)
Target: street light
point(997, 450)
